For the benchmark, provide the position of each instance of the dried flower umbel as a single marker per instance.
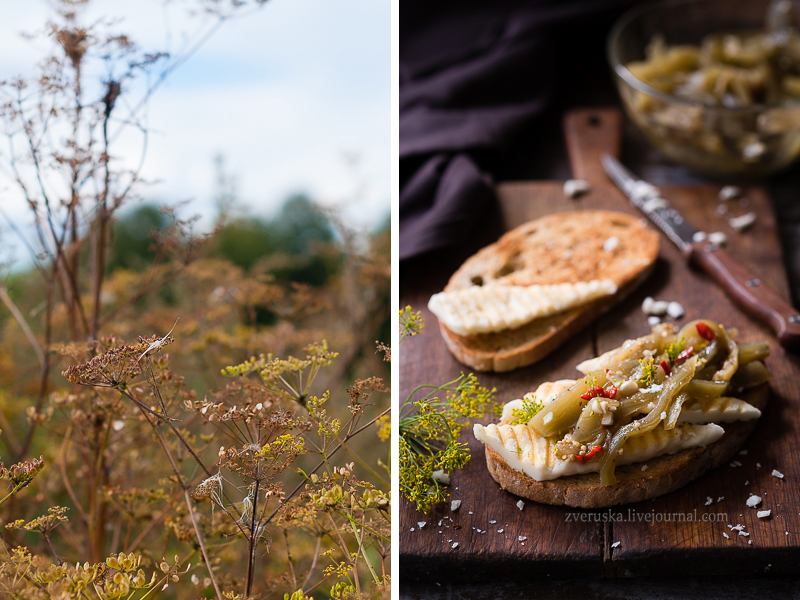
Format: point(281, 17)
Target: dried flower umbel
point(277, 423)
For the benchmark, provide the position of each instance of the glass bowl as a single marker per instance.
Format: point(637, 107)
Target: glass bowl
point(739, 142)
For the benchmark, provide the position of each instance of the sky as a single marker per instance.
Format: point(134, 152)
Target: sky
point(295, 96)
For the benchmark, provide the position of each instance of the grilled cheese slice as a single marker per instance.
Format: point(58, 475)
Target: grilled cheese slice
point(493, 308)
point(719, 410)
point(524, 450)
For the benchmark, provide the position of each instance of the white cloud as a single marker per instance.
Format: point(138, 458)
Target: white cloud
point(282, 94)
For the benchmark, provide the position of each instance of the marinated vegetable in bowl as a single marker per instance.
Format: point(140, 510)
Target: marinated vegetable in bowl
point(726, 69)
point(714, 84)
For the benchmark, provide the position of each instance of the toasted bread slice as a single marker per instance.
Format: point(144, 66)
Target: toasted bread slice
point(664, 474)
point(559, 248)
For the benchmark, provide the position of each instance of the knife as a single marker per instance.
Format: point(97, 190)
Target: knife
point(742, 285)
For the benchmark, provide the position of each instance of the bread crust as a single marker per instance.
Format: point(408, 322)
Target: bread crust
point(559, 248)
point(664, 474)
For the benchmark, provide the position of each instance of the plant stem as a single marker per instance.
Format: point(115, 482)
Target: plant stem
point(49, 543)
point(188, 501)
point(252, 542)
point(18, 487)
point(361, 547)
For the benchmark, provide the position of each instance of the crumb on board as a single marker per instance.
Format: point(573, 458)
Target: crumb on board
point(574, 188)
point(729, 192)
point(743, 222)
point(718, 237)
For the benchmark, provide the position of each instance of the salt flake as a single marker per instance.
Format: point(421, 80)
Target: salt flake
point(753, 501)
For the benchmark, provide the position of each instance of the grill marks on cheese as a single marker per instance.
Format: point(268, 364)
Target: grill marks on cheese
point(494, 308)
point(525, 451)
point(719, 410)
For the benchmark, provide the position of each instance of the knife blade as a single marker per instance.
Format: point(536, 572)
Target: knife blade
point(742, 285)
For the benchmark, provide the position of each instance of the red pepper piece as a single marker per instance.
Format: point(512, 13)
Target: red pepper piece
point(590, 454)
point(665, 366)
point(686, 354)
point(593, 392)
point(598, 391)
point(705, 331)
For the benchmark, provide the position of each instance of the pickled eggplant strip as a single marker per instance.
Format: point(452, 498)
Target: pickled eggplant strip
point(681, 376)
point(731, 362)
point(675, 411)
point(700, 389)
point(750, 375)
point(563, 412)
point(753, 351)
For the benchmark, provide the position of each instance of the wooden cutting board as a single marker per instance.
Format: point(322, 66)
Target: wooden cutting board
point(567, 542)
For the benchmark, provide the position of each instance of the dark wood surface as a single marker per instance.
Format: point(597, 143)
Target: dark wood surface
point(554, 546)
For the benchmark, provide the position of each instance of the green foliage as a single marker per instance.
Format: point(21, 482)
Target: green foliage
point(292, 247)
point(245, 241)
point(675, 348)
point(430, 428)
point(530, 408)
point(132, 244)
point(301, 225)
point(648, 371)
point(429, 436)
point(411, 323)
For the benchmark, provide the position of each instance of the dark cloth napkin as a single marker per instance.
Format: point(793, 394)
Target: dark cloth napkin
point(471, 74)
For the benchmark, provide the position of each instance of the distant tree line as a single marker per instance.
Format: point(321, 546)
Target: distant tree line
point(294, 245)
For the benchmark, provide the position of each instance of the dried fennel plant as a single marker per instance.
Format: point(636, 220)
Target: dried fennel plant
point(120, 486)
point(270, 422)
point(430, 427)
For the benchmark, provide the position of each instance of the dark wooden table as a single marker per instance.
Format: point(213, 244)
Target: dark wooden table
point(578, 552)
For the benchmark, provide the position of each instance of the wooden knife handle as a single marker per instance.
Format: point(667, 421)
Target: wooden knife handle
point(747, 290)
